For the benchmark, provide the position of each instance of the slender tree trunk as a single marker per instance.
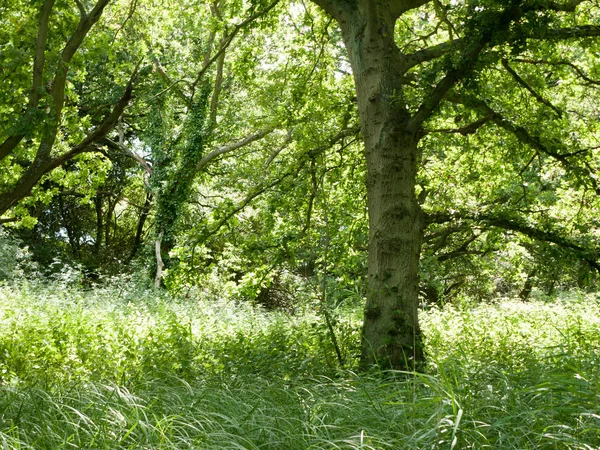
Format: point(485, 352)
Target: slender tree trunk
point(137, 242)
point(391, 333)
point(159, 261)
point(528, 286)
point(110, 208)
point(71, 233)
point(99, 223)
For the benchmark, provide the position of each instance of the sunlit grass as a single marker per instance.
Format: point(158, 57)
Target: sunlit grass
point(131, 369)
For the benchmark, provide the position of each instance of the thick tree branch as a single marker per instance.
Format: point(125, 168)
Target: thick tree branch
point(431, 103)
point(399, 7)
point(72, 45)
point(58, 84)
point(209, 47)
point(470, 56)
point(466, 130)
point(584, 174)
point(580, 72)
point(108, 123)
point(552, 236)
point(429, 53)
point(82, 11)
point(461, 252)
point(231, 147)
point(39, 57)
point(214, 100)
point(43, 163)
point(580, 32)
point(533, 92)
point(467, 61)
point(84, 26)
point(556, 236)
point(335, 8)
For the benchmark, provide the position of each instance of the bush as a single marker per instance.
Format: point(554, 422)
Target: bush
point(16, 260)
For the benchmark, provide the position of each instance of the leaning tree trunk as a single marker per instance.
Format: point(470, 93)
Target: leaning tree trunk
point(391, 333)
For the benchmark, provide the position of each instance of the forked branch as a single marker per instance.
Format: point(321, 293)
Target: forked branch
point(12, 141)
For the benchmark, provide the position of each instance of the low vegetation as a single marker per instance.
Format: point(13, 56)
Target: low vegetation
point(130, 368)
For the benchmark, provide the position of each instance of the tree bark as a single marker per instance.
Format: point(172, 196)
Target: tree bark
point(391, 334)
point(528, 286)
point(159, 261)
point(38, 74)
point(69, 228)
point(110, 208)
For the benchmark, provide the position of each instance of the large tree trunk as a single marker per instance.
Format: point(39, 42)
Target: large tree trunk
point(391, 334)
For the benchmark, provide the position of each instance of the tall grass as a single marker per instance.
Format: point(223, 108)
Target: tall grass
point(131, 369)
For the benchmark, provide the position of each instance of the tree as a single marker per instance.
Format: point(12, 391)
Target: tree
point(39, 123)
point(257, 213)
point(179, 154)
point(393, 119)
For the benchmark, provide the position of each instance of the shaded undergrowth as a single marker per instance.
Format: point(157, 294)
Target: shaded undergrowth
point(132, 369)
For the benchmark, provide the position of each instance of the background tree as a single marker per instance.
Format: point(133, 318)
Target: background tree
point(37, 137)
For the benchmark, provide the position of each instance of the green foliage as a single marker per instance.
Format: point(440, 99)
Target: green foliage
point(189, 372)
point(146, 336)
point(175, 168)
point(507, 182)
point(16, 259)
point(272, 207)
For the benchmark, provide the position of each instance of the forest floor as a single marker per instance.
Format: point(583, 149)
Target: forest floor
point(116, 368)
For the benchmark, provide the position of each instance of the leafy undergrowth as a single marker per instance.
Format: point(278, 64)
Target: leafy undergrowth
point(134, 370)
